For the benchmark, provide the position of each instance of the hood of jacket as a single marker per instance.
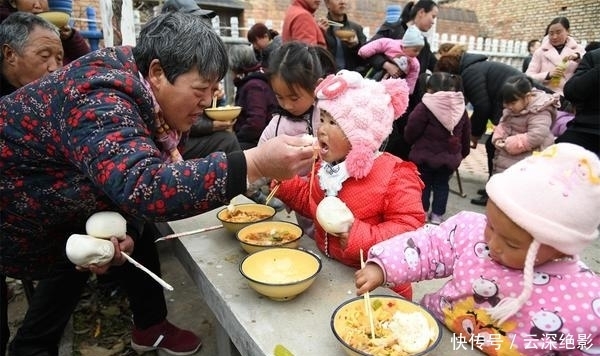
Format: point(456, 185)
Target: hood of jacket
point(447, 106)
point(469, 58)
point(539, 102)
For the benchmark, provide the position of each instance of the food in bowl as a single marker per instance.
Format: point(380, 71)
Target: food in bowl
point(223, 113)
point(280, 273)
point(238, 216)
point(57, 18)
point(268, 234)
point(345, 34)
point(402, 328)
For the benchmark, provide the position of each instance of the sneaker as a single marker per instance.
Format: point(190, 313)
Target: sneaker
point(260, 198)
point(166, 337)
point(436, 219)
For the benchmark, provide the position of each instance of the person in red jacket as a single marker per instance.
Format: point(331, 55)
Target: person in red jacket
point(357, 195)
point(299, 23)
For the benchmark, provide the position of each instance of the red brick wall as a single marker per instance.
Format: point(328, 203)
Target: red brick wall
point(526, 20)
point(508, 19)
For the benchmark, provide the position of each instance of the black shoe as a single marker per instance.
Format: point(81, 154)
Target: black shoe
point(481, 192)
point(482, 200)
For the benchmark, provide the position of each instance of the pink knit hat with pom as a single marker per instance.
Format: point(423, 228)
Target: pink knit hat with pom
point(365, 110)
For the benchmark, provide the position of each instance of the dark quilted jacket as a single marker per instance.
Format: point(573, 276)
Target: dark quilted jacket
point(80, 141)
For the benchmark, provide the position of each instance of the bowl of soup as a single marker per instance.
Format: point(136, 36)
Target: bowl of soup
point(237, 216)
point(267, 234)
point(280, 273)
point(223, 113)
point(401, 327)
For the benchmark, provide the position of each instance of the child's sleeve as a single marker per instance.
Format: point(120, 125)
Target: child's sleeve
point(427, 253)
point(413, 74)
point(538, 130)
point(403, 211)
point(372, 48)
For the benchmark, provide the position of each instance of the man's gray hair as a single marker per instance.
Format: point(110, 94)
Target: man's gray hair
point(181, 42)
point(241, 58)
point(16, 28)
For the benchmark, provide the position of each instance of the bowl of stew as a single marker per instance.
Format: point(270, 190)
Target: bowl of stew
point(238, 216)
point(267, 234)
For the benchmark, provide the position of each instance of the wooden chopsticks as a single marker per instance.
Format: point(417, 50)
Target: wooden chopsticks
point(368, 301)
point(334, 23)
point(186, 233)
point(272, 194)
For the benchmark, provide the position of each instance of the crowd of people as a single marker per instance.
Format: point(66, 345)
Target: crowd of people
point(333, 122)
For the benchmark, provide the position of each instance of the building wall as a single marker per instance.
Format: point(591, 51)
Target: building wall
point(528, 19)
point(507, 19)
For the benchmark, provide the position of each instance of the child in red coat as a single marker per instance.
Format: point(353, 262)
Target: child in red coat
point(357, 195)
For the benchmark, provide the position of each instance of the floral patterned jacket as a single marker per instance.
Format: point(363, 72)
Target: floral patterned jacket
point(79, 141)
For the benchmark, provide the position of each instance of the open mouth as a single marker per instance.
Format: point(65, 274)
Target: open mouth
point(323, 148)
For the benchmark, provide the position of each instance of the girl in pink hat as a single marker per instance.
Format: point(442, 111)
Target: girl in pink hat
point(516, 283)
point(357, 195)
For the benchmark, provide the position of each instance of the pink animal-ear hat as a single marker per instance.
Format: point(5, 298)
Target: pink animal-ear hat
point(365, 110)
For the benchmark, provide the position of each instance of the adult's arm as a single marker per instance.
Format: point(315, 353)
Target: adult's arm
point(583, 85)
point(535, 67)
point(75, 46)
point(476, 92)
point(202, 127)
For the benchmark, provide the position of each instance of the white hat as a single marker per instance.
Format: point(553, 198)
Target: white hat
point(554, 195)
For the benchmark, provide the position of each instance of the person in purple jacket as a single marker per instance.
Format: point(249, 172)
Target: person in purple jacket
point(439, 131)
point(517, 285)
point(105, 134)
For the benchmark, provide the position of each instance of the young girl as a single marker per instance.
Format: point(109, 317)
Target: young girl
point(294, 72)
point(525, 123)
point(356, 195)
point(403, 52)
point(439, 131)
point(517, 285)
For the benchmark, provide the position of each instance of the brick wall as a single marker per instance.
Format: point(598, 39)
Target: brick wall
point(509, 19)
point(526, 20)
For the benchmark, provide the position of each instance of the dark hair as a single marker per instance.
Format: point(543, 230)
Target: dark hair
point(410, 10)
point(561, 20)
point(259, 30)
point(448, 63)
point(181, 42)
point(300, 64)
point(515, 88)
point(441, 81)
point(16, 29)
point(592, 46)
point(531, 43)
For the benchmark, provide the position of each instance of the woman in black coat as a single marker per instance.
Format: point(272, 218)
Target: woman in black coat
point(421, 14)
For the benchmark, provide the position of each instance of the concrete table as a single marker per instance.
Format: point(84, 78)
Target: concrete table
point(255, 324)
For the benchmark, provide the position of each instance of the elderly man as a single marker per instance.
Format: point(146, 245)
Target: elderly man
point(105, 136)
point(345, 51)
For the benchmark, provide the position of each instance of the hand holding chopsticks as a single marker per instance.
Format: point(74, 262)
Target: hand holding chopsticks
point(368, 301)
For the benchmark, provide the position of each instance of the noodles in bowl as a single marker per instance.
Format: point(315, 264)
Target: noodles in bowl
point(402, 328)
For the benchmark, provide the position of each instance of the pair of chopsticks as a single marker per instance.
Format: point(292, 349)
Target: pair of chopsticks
point(149, 272)
point(272, 194)
point(334, 23)
point(368, 301)
point(186, 233)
